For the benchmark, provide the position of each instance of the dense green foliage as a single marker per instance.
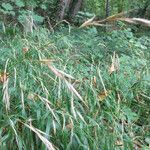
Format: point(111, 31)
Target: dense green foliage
point(69, 88)
point(39, 98)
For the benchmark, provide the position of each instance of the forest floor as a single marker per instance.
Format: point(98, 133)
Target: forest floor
point(75, 90)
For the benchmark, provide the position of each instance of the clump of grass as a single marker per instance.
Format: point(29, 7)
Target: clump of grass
point(58, 93)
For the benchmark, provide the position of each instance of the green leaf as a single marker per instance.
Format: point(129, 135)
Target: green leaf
point(147, 140)
point(131, 116)
point(7, 6)
point(38, 18)
point(43, 7)
point(19, 3)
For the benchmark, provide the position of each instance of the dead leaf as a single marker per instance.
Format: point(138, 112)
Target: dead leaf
point(119, 143)
point(102, 96)
point(112, 68)
point(3, 77)
point(115, 64)
point(94, 81)
point(69, 126)
point(25, 49)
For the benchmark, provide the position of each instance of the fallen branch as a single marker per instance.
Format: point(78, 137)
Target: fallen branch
point(115, 17)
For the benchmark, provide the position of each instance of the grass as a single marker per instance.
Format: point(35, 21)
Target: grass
point(58, 91)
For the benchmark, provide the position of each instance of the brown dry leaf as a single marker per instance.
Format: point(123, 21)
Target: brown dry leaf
point(102, 96)
point(3, 77)
point(25, 49)
point(119, 143)
point(94, 81)
point(112, 68)
point(115, 64)
point(69, 126)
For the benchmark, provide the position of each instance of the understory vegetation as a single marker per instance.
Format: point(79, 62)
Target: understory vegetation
point(75, 89)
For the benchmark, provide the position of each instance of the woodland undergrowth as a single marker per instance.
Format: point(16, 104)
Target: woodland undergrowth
point(74, 89)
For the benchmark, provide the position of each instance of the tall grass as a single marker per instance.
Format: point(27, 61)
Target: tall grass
point(57, 91)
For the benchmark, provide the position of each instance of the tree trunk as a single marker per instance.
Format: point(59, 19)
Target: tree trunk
point(76, 8)
point(107, 13)
point(63, 6)
point(107, 8)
